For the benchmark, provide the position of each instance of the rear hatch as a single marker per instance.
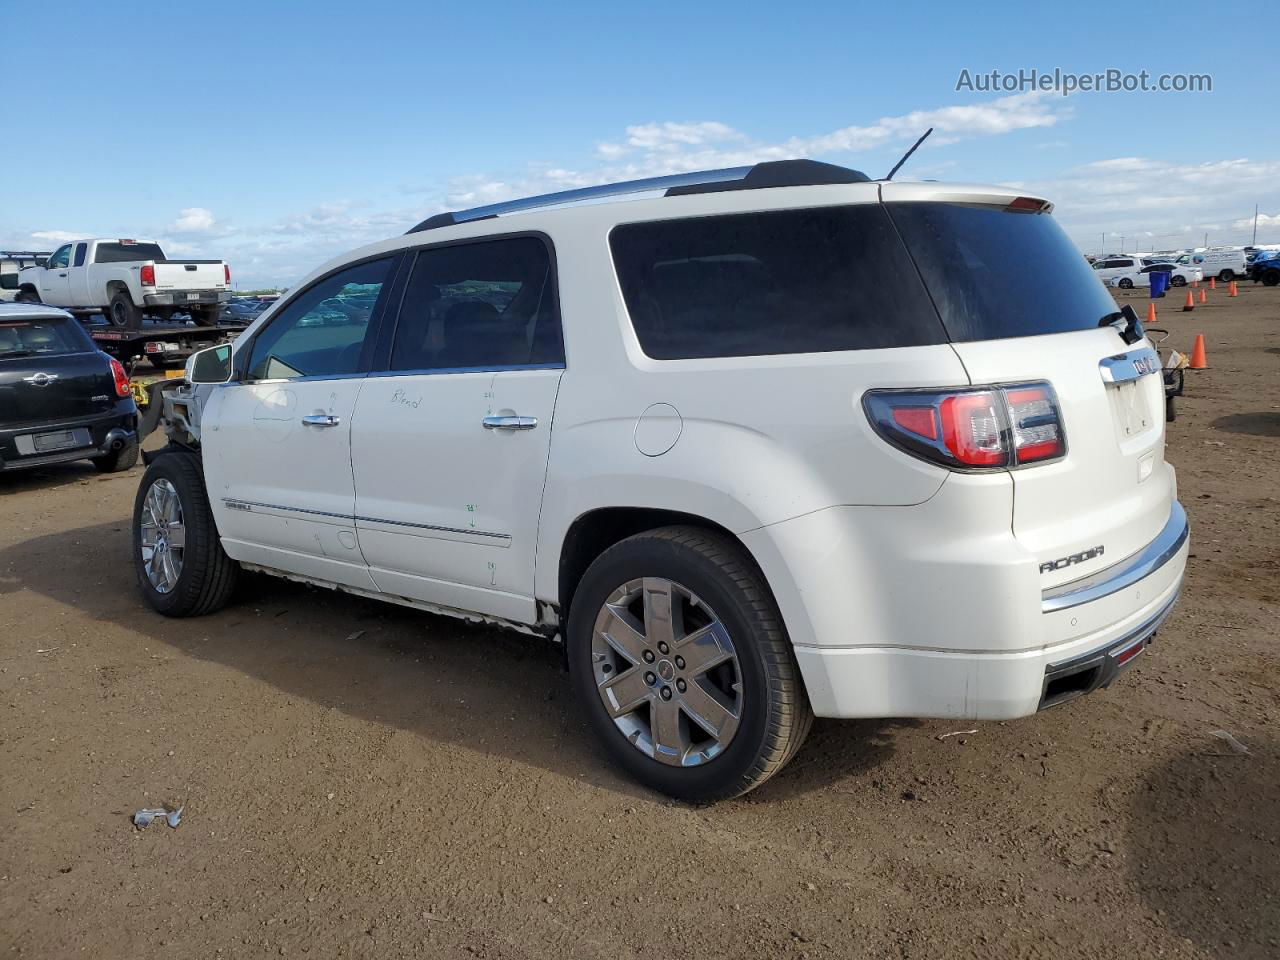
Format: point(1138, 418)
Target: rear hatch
point(50, 371)
point(1020, 303)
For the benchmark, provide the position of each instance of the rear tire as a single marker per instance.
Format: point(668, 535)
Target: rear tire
point(763, 713)
point(198, 577)
point(122, 313)
point(1271, 278)
point(1125, 283)
point(1226, 276)
point(118, 460)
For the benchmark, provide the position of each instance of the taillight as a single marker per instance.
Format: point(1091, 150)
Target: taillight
point(121, 378)
point(226, 274)
point(974, 428)
point(147, 275)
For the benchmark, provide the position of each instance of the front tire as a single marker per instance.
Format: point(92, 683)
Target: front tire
point(1178, 281)
point(1125, 283)
point(681, 661)
point(27, 296)
point(181, 567)
point(121, 312)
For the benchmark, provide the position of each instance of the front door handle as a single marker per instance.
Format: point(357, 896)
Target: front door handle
point(322, 420)
point(509, 423)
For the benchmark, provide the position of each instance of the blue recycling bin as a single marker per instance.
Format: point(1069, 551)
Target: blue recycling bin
point(1159, 283)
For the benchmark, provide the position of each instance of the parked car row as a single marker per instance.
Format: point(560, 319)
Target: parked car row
point(1128, 272)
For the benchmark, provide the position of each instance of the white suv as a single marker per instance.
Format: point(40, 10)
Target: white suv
point(758, 444)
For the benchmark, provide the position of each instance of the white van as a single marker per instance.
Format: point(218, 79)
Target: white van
point(1226, 265)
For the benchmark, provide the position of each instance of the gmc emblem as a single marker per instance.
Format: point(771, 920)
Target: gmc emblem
point(1145, 364)
point(1052, 565)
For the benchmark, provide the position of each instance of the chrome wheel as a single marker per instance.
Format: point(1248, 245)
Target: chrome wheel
point(667, 672)
point(162, 535)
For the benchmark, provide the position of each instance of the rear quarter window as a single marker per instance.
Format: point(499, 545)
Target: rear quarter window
point(779, 282)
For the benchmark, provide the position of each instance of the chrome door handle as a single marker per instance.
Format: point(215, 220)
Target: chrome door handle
point(509, 423)
point(322, 420)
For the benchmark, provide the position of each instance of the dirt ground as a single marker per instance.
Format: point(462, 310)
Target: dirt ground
point(365, 781)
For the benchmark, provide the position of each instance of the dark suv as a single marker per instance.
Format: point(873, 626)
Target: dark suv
point(61, 398)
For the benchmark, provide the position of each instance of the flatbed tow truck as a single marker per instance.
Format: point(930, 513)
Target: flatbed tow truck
point(165, 345)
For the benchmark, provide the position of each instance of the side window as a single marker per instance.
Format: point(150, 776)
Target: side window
point(321, 333)
point(1124, 263)
point(61, 257)
point(80, 249)
point(479, 305)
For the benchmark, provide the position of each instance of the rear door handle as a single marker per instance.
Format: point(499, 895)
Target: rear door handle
point(322, 420)
point(509, 423)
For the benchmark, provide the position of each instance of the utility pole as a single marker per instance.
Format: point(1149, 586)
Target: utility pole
point(1255, 225)
point(1122, 243)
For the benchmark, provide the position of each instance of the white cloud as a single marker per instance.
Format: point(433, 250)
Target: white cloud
point(194, 220)
point(1172, 204)
point(47, 237)
point(1264, 220)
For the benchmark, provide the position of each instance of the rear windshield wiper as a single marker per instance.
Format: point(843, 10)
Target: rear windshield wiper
point(1126, 322)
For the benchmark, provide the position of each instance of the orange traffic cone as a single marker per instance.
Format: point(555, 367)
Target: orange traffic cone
point(1190, 304)
point(1198, 359)
point(1202, 296)
point(1195, 283)
point(1213, 283)
point(1151, 314)
point(1232, 288)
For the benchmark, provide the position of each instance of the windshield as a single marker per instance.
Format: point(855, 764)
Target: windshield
point(995, 274)
point(25, 338)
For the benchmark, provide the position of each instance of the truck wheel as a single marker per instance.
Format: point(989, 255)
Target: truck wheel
point(679, 656)
point(1271, 278)
point(122, 313)
point(27, 296)
point(205, 316)
point(1226, 276)
point(118, 460)
point(181, 566)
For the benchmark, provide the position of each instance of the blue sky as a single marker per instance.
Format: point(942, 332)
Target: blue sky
point(275, 135)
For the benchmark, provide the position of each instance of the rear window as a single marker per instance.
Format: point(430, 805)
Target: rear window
point(122, 252)
point(27, 338)
point(995, 274)
point(791, 281)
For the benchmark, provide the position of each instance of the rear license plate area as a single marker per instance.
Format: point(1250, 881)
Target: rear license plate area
point(193, 296)
point(55, 440)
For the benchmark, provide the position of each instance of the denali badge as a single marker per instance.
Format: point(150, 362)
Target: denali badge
point(1061, 562)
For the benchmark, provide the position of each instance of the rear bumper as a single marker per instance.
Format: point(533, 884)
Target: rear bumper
point(186, 298)
point(99, 435)
point(886, 622)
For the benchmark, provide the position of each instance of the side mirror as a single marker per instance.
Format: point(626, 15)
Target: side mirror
point(212, 365)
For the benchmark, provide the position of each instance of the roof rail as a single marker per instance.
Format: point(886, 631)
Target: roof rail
point(774, 173)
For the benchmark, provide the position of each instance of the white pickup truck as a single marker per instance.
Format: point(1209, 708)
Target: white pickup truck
point(127, 280)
